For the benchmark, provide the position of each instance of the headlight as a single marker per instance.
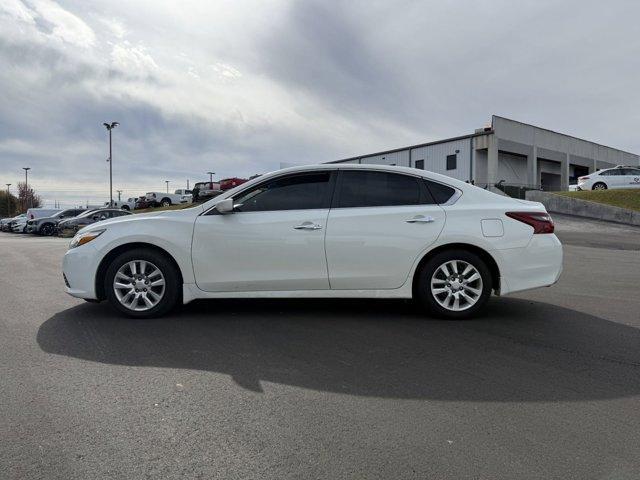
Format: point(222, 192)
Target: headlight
point(85, 237)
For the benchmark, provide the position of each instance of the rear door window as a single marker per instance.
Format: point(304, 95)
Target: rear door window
point(379, 189)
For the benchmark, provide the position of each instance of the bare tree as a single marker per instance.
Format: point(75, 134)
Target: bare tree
point(27, 197)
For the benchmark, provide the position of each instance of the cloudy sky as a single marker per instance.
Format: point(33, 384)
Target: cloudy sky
point(239, 86)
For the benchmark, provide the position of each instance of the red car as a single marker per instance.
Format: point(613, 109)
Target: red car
point(229, 183)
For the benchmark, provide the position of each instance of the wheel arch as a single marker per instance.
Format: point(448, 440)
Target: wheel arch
point(108, 258)
point(482, 253)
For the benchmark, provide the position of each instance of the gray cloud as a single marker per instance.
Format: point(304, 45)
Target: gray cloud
point(240, 89)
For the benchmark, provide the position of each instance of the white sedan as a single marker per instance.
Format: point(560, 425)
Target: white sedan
point(326, 231)
point(618, 177)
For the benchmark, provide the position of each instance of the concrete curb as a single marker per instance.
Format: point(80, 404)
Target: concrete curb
point(584, 208)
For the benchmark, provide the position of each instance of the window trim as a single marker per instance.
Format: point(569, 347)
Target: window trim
point(421, 186)
point(326, 202)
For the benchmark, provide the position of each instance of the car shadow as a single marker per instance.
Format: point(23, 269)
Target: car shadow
point(518, 350)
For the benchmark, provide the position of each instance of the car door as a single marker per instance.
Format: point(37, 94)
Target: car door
point(631, 177)
point(272, 241)
point(613, 178)
point(378, 224)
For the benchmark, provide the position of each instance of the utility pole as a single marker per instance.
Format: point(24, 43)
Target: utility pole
point(110, 126)
point(167, 182)
point(8, 202)
point(187, 184)
point(119, 193)
point(26, 187)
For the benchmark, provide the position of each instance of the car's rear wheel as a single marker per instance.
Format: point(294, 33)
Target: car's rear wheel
point(454, 284)
point(165, 202)
point(126, 207)
point(142, 284)
point(46, 229)
point(599, 186)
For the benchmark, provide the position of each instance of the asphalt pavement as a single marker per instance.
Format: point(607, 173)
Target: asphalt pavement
point(545, 384)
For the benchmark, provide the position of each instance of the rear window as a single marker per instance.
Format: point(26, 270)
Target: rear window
point(441, 193)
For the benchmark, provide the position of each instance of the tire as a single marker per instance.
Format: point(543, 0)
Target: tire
point(599, 186)
point(126, 207)
point(437, 293)
point(119, 298)
point(165, 202)
point(46, 229)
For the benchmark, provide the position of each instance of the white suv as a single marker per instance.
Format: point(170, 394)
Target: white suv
point(618, 177)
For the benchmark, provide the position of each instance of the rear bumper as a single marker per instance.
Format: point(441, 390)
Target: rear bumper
point(539, 264)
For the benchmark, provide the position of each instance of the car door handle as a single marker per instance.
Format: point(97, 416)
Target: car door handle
point(421, 219)
point(308, 226)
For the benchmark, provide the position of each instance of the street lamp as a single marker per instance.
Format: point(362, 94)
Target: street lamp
point(26, 187)
point(119, 193)
point(110, 126)
point(167, 182)
point(8, 203)
point(211, 174)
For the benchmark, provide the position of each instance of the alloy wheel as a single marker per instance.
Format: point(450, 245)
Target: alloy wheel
point(139, 285)
point(456, 285)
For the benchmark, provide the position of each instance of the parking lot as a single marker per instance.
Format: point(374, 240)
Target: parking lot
point(546, 384)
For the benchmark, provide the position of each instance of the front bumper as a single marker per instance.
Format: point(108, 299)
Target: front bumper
point(79, 266)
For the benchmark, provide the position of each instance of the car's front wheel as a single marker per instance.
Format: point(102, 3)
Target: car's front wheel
point(599, 186)
point(166, 202)
point(454, 284)
point(47, 229)
point(142, 284)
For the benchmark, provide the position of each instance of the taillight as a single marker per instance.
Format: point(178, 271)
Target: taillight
point(583, 178)
point(540, 221)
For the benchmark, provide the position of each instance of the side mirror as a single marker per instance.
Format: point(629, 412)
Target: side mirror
point(225, 206)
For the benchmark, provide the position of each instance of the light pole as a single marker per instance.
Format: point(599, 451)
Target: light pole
point(211, 174)
point(110, 126)
point(26, 187)
point(119, 193)
point(8, 202)
point(167, 182)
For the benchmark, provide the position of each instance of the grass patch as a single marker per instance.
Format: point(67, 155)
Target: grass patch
point(618, 198)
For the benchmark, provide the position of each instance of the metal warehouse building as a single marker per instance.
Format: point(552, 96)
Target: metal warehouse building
point(508, 152)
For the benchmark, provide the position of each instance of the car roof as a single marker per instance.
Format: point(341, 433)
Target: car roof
point(368, 166)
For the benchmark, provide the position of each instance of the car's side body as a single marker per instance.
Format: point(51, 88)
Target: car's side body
point(620, 177)
point(282, 254)
point(48, 225)
point(163, 198)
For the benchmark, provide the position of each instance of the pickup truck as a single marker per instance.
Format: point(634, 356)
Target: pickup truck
point(128, 204)
point(165, 199)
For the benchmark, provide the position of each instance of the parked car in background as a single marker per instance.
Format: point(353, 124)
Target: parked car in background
point(336, 231)
point(142, 202)
point(166, 199)
point(205, 190)
point(39, 212)
point(229, 183)
point(4, 224)
point(74, 224)
point(128, 204)
point(48, 225)
point(611, 178)
point(7, 224)
point(19, 224)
